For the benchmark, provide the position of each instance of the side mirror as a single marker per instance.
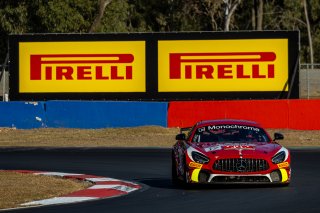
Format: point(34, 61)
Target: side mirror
point(181, 137)
point(278, 136)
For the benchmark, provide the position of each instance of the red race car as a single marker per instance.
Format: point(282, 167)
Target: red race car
point(229, 151)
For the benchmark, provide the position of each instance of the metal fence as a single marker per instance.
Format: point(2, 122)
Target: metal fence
point(309, 81)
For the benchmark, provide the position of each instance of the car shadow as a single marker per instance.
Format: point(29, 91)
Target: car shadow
point(166, 183)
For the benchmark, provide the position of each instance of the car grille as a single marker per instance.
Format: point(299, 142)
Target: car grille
point(240, 179)
point(241, 165)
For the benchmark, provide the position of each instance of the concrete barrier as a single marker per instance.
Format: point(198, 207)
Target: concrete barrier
point(292, 114)
point(102, 114)
point(22, 115)
point(304, 114)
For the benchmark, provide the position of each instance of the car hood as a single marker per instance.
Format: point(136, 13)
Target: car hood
point(238, 149)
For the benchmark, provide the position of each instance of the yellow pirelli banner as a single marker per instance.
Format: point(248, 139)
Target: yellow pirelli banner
point(223, 65)
point(155, 66)
point(82, 66)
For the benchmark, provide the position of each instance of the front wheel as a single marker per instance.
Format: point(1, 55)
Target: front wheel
point(174, 175)
point(186, 175)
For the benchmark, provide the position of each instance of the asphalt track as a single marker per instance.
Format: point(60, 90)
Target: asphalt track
point(151, 168)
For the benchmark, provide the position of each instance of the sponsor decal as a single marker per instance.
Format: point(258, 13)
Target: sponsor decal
point(232, 126)
point(106, 66)
point(223, 65)
point(239, 147)
point(283, 165)
point(195, 165)
point(62, 69)
point(223, 71)
point(213, 148)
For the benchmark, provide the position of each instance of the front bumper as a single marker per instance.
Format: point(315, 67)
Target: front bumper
point(278, 176)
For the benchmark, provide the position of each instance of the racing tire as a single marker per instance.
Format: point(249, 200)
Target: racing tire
point(177, 181)
point(284, 185)
point(174, 176)
point(185, 175)
point(185, 182)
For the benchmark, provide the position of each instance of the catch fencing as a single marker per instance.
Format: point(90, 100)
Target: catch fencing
point(310, 81)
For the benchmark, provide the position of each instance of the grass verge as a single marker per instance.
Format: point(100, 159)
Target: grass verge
point(17, 188)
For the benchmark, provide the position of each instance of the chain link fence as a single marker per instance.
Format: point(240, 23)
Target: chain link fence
point(309, 81)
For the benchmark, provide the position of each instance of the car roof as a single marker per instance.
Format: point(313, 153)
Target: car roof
point(228, 121)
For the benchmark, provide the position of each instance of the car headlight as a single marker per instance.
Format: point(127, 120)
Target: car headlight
point(199, 158)
point(279, 157)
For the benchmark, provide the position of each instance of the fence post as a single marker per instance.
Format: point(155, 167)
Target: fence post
point(308, 82)
point(3, 75)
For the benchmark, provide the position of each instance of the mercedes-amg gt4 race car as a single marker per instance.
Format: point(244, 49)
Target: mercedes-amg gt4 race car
point(229, 151)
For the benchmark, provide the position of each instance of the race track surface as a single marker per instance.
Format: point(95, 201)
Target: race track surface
point(151, 168)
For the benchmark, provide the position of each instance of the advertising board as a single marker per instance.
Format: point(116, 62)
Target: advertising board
point(82, 66)
point(223, 65)
point(155, 66)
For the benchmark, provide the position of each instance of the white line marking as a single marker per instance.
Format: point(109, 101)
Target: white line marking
point(58, 200)
point(122, 188)
point(61, 174)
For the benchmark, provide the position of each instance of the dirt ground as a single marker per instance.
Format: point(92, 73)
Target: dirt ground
point(17, 188)
point(147, 136)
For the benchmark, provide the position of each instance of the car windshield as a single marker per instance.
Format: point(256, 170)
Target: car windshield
point(230, 133)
